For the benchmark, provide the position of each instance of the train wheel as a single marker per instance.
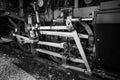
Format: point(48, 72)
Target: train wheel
point(91, 2)
point(21, 31)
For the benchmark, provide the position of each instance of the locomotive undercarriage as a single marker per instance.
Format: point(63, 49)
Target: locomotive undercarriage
point(66, 45)
point(80, 35)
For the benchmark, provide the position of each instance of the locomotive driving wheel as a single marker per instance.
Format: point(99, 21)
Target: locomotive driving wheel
point(72, 50)
point(20, 42)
